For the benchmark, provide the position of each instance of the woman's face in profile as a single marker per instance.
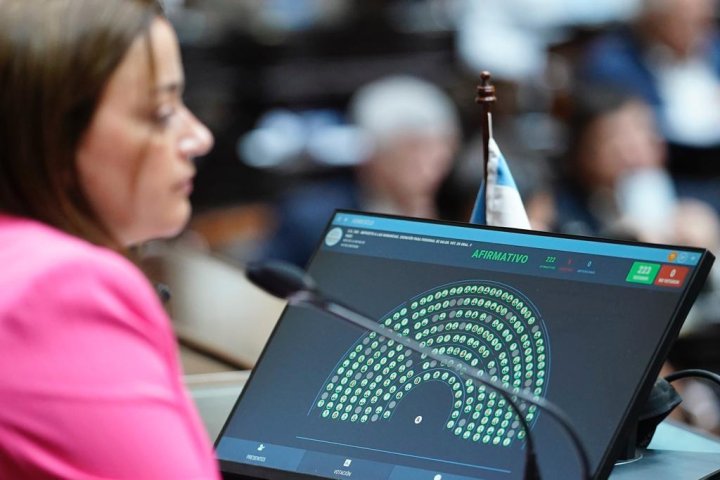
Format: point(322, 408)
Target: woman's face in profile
point(135, 160)
point(619, 142)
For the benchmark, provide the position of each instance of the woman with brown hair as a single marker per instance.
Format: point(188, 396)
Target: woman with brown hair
point(96, 151)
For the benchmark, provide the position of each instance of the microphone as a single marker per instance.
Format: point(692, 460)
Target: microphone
point(291, 283)
point(163, 291)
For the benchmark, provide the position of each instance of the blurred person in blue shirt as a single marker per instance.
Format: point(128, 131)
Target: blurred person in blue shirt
point(613, 180)
point(670, 57)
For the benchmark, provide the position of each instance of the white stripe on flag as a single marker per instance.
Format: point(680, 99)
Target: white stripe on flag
point(504, 205)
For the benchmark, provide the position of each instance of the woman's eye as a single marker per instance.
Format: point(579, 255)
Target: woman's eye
point(163, 115)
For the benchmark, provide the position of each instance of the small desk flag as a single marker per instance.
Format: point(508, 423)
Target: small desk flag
point(504, 207)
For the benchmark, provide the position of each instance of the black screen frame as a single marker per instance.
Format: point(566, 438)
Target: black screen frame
point(627, 425)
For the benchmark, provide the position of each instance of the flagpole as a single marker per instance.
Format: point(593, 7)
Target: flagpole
point(486, 98)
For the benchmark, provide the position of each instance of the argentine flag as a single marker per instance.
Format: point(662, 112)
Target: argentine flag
point(502, 207)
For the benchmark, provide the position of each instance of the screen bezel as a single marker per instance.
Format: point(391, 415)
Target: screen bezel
point(695, 282)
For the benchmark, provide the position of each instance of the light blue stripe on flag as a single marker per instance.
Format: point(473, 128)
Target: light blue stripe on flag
point(502, 206)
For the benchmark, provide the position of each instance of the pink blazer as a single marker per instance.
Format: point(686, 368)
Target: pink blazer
point(90, 384)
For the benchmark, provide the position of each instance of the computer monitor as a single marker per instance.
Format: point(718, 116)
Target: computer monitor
point(584, 323)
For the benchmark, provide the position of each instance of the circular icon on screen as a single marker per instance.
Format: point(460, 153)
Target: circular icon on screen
point(333, 237)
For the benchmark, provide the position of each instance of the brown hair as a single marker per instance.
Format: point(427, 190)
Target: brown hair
point(56, 57)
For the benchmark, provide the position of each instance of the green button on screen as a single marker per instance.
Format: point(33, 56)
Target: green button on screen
point(642, 272)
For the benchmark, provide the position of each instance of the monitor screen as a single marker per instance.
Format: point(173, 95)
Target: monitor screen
point(583, 323)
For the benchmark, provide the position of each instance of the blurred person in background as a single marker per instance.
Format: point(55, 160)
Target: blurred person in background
point(670, 57)
point(413, 129)
point(96, 150)
point(613, 179)
point(613, 183)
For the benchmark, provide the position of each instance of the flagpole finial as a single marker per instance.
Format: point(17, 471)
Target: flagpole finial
point(486, 90)
point(486, 98)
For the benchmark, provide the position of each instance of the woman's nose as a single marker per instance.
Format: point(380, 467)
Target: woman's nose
point(197, 140)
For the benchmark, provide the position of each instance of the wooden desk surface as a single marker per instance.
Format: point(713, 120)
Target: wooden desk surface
point(215, 310)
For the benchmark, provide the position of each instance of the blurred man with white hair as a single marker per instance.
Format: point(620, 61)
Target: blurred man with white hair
point(413, 129)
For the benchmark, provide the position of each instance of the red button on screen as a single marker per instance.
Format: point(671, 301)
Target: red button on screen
point(671, 276)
